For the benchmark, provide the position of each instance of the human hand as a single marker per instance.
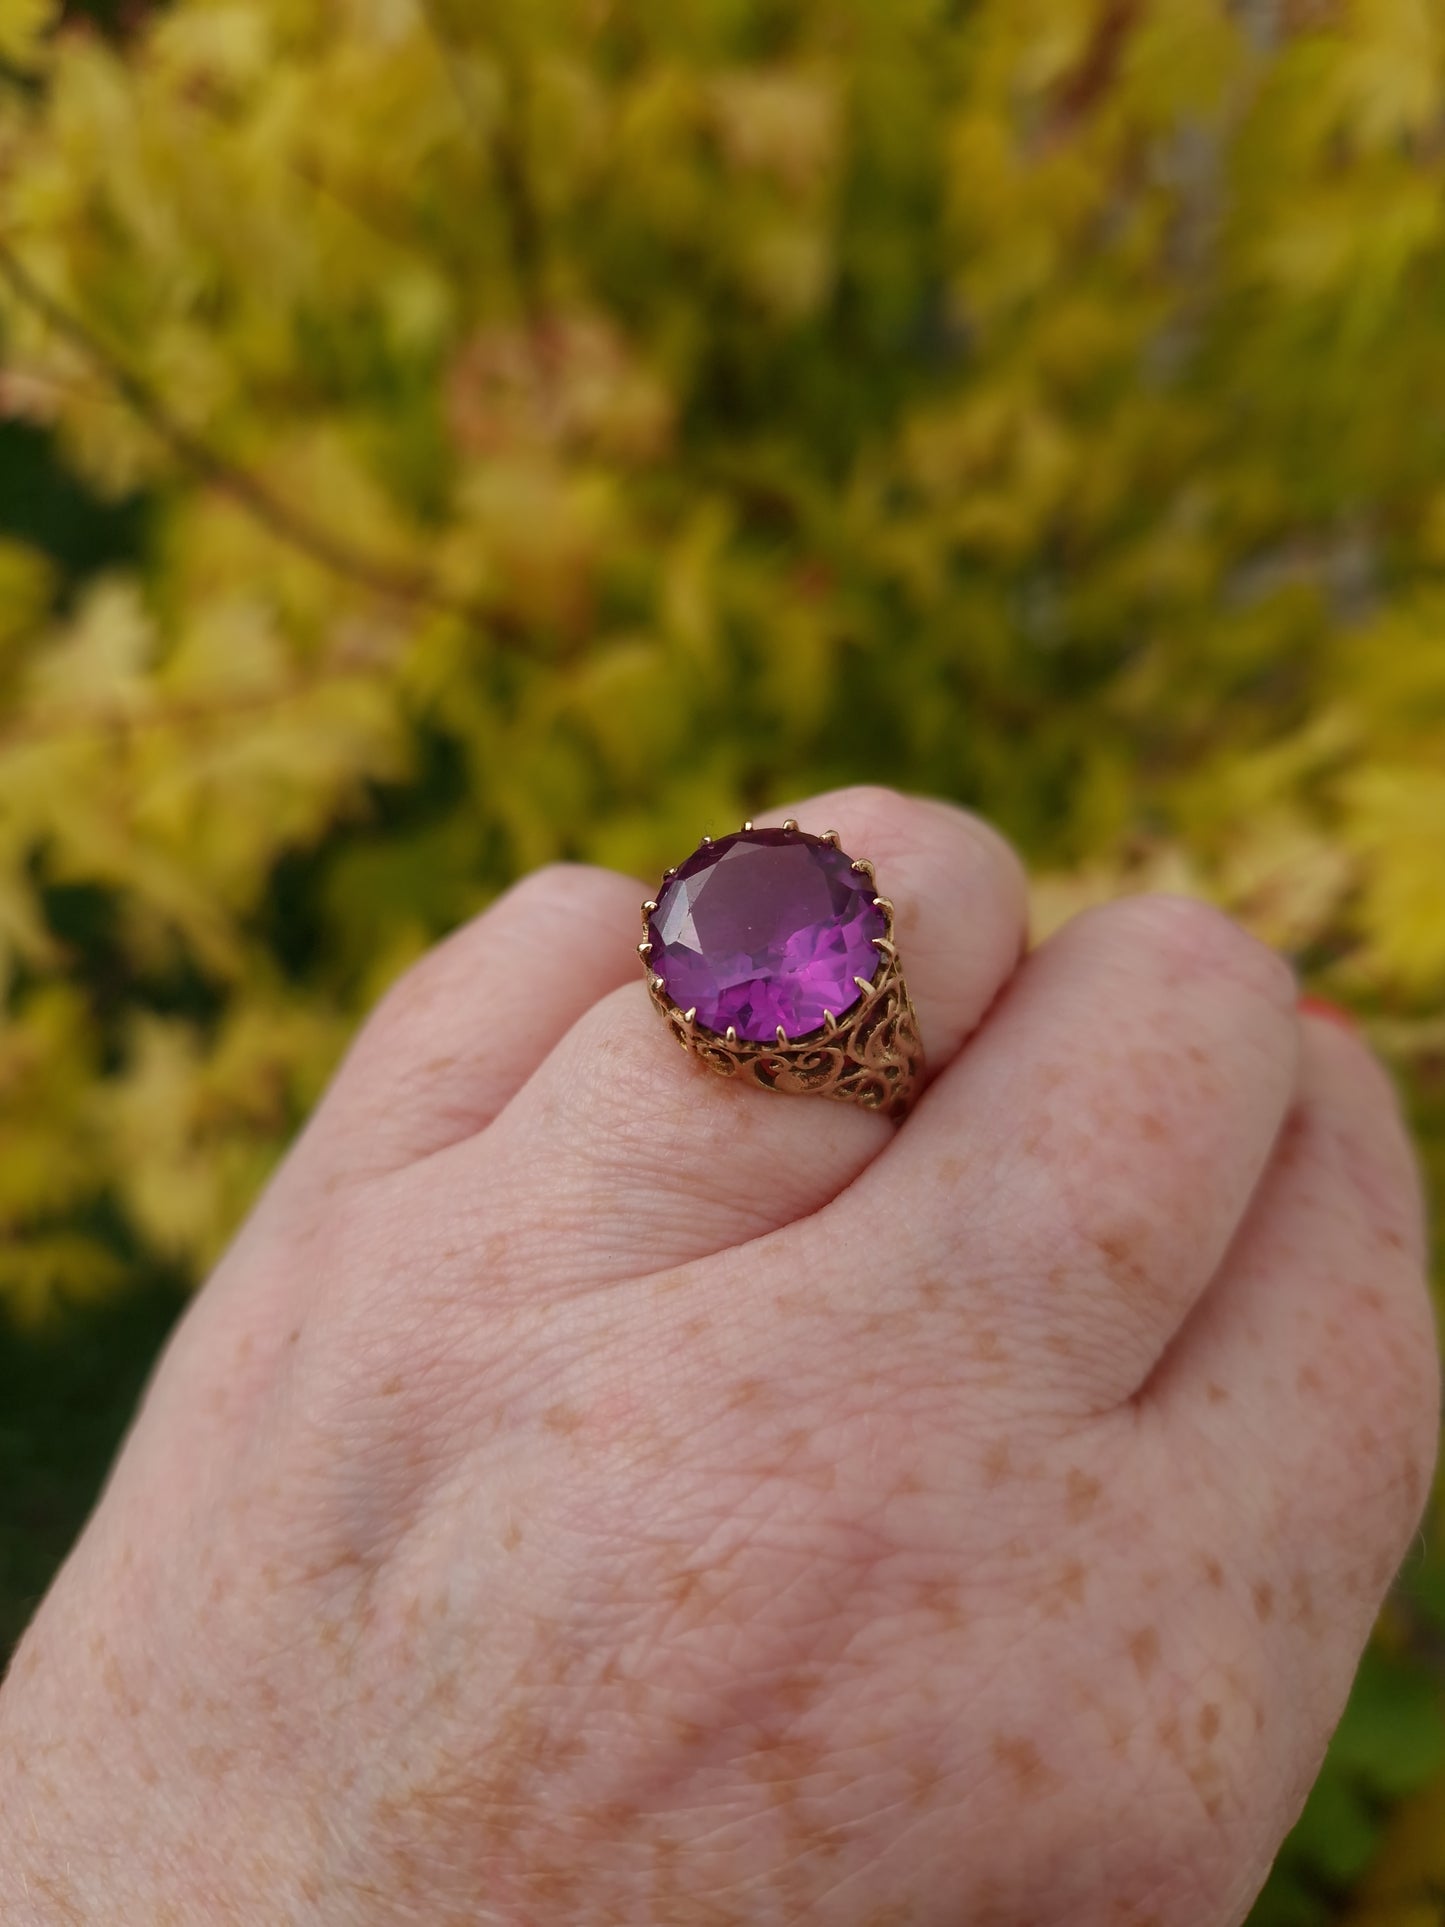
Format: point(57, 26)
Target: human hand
point(592, 1491)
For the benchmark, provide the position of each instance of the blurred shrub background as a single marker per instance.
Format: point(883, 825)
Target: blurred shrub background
point(437, 438)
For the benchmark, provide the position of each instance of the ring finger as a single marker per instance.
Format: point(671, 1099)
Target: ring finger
point(632, 1132)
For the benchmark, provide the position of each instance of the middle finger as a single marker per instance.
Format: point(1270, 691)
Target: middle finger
point(1072, 1182)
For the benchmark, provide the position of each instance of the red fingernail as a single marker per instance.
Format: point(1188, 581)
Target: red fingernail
point(1330, 1013)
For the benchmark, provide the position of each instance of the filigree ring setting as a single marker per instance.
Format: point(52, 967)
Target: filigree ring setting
point(770, 954)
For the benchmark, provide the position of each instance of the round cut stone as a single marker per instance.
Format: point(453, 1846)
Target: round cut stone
point(762, 928)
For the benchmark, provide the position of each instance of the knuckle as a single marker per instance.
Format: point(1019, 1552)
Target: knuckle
point(871, 802)
point(965, 842)
point(556, 893)
point(1196, 937)
point(1010, 879)
point(580, 908)
point(555, 886)
point(882, 823)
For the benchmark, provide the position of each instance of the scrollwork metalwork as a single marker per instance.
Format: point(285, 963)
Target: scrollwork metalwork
point(871, 1055)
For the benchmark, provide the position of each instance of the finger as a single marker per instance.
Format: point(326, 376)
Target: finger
point(1305, 1387)
point(651, 1159)
point(1074, 1179)
point(464, 1028)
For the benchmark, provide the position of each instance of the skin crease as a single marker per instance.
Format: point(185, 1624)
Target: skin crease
point(589, 1491)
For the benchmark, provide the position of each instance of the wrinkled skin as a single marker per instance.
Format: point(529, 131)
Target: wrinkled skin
point(593, 1491)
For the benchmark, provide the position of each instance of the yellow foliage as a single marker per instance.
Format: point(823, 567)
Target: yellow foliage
point(22, 24)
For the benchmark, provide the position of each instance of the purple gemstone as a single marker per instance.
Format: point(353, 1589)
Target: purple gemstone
point(763, 928)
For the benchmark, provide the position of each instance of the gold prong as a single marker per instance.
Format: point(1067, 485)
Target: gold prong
point(887, 946)
point(730, 1034)
point(656, 982)
point(790, 823)
point(832, 836)
point(865, 984)
point(782, 1038)
point(883, 904)
point(863, 867)
point(689, 1017)
point(668, 875)
point(706, 841)
point(830, 1022)
point(644, 950)
point(649, 907)
point(747, 824)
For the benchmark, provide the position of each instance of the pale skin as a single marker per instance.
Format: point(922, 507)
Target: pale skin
point(591, 1491)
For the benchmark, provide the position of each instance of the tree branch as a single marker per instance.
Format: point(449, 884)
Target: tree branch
point(393, 581)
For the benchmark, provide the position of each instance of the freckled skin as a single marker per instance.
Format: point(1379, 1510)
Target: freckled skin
point(590, 1492)
point(1144, 1650)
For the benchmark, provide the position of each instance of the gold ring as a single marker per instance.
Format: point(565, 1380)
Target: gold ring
point(771, 956)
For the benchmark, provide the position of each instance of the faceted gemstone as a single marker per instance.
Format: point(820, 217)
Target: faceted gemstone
point(763, 928)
